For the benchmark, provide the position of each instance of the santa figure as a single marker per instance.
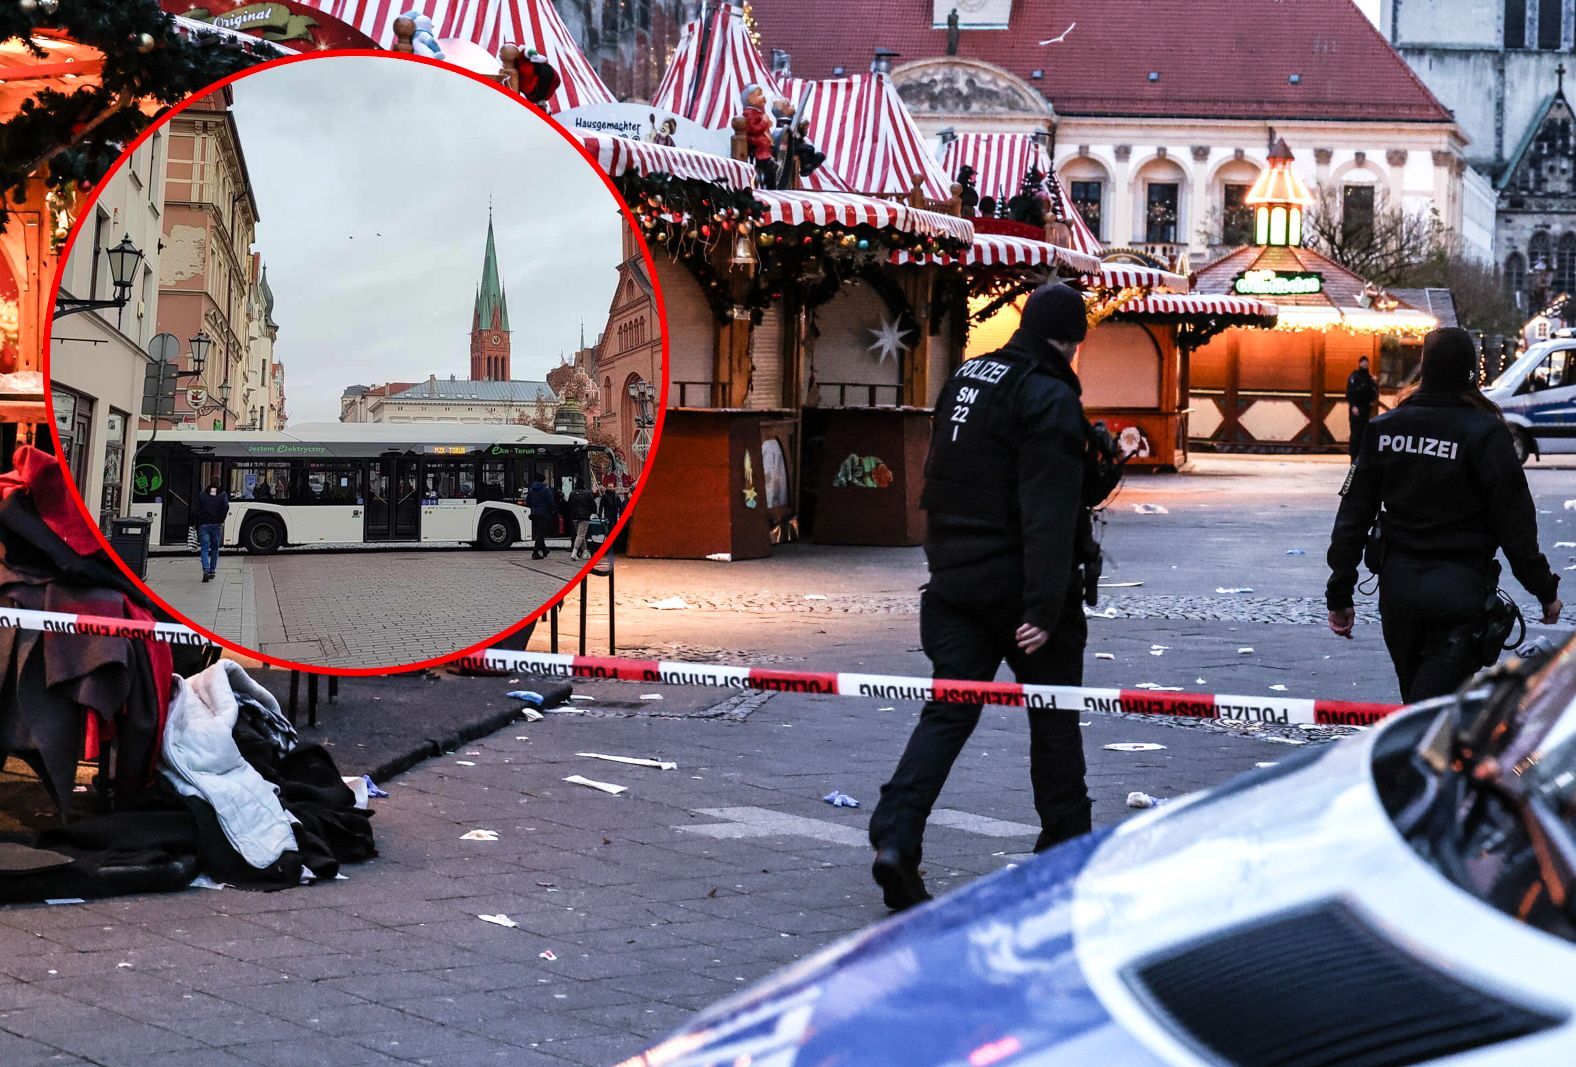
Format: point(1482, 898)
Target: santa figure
point(538, 79)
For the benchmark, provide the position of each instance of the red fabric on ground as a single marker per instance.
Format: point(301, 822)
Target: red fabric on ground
point(44, 477)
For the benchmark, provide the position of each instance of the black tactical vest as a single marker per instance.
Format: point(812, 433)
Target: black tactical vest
point(972, 468)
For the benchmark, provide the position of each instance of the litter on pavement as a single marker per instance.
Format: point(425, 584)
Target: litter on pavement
point(65, 900)
point(1245, 650)
point(1104, 655)
point(633, 761)
point(1565, 544)
point(530, 715)
point(582, 696)
point(546, 954)
point(650, 696)
point(465, 762)
point(1286, 740)
point(1134, 746)
point(1135, 799)
point(499, 920)
point(672, 603)
point(373, 789)
point(1262, 765)
point(202, 881)
point(1570, 505)
point(530, 696)
point(1120, 585)
point(479, 835)
point(1150, 509)
point(840, 800)
point(1277, 687)
point(721, 557)
point(1157, 687)
point(1295, 552)
point(606, 787)
point(815, 596)
point(1234, 589)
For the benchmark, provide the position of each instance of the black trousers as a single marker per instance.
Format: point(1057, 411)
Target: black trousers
point(539, 533)
point(1355, 444)
point(968, 643)
point(1429, 610)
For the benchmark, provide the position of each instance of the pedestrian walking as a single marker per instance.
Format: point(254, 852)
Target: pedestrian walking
point(1005, 497)
point(1362, 398)
point(212, 508)
point(581, 506)
point(1436, 491)
point(542, 503)
point(610, 507)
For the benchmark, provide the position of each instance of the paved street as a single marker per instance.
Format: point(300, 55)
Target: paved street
point(698, 880)
point(363, 607)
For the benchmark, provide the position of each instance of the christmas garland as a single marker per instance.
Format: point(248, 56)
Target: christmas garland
point(78, 135)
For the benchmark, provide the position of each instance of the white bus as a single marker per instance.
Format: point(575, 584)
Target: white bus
point(355, 483)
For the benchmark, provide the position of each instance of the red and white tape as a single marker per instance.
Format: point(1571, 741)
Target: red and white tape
point(1282, 710)
point(62, 622)
point(1287, 710)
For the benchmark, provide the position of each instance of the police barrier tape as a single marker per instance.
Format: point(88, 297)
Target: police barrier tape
point(1288, 710)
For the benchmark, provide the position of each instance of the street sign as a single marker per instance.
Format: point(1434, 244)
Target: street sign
point(196, 397)
point(164, 348)
point(158, 390)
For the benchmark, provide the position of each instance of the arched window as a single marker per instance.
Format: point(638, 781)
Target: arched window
point(607, 395)
point(1515, 276)
point(1565, 264)
point(1540, 252)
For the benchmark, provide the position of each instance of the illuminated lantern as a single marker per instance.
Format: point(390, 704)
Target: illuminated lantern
point(1278, 199)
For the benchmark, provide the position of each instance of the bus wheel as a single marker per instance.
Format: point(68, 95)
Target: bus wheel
point(1522, 443)
point(262, 536)
point(497, 531)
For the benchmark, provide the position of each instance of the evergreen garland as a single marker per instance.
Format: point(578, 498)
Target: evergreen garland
point(78, 135)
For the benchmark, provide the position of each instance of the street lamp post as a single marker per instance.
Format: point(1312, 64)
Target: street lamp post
point(124, 259)
point(642, 394)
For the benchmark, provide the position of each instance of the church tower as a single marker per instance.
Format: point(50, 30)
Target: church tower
point(490, 321)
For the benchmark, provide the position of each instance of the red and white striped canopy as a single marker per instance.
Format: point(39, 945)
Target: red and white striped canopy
point(619, 155)
point(491, 24)
point(1162, 305)
point(869, 138)
point(1006, 250)
point(1133, 276)
point(1000, 161)
point(714, 61)
point(795, 207)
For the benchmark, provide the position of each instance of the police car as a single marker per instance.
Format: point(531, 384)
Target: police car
point(1405, 896)
point(1537, 393)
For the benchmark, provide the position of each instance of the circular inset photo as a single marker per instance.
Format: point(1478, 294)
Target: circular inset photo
point(326, 363)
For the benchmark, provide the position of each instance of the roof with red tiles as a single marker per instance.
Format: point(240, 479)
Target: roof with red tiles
point(1299, 59)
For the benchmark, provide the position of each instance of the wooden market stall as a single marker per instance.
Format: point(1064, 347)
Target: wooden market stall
point(1283, 390)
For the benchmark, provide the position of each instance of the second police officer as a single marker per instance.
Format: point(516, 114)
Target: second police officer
point(1440, 478)
point(1005, 498)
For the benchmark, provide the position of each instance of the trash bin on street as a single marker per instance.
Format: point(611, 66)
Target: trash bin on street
point(129, 538)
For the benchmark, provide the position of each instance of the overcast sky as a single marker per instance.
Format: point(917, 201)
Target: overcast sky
point(341, 149)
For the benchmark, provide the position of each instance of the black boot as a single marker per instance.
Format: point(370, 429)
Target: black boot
point(899, 879)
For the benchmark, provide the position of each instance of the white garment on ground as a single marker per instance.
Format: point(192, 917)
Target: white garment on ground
point(201, 759)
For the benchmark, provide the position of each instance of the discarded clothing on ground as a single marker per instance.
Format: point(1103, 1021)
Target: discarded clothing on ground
point(62, 694)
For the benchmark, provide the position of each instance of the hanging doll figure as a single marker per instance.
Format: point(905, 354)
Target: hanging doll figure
point(538, 79)
point(758, 135)
point(425, 42)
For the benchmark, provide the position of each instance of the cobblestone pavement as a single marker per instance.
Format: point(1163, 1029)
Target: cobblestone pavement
point(693, 884)
point(370, 608)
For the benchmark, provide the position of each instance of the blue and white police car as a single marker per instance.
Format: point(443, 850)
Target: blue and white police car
point(1406, 896)
point(1537, 393)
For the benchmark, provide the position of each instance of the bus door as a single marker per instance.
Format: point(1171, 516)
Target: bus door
point(393, 500)
point(180, 477)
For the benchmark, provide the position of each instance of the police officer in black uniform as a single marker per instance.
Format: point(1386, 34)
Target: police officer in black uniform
point(1362, 395)
point(1442, 468)
point(1003, 489)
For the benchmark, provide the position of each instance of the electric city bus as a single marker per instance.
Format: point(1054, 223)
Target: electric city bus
point(356, 483)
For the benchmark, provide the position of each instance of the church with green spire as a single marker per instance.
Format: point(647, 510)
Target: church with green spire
point(490, 320)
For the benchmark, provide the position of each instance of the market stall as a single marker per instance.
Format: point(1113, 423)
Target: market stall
point(1283, 390)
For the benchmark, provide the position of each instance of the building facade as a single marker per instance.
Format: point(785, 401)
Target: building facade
point(1500, 66)
point(628, 356)
point(98, 358)
point(1158, 136)
point(278, 416)
point(451, 400)
point(205, 271)
point(254, 405)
